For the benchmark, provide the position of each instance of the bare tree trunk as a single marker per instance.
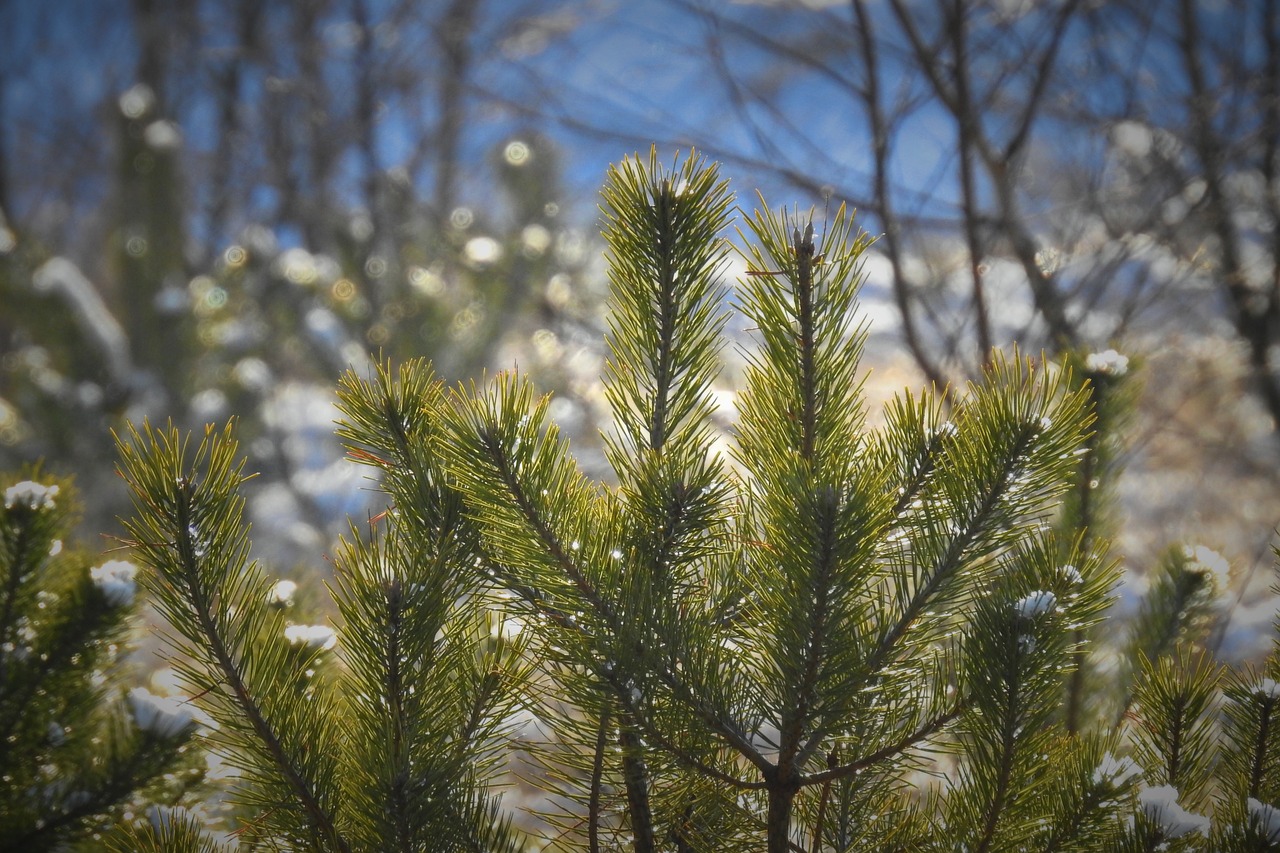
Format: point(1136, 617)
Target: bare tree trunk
point(5, 207)
point(228, 94)
point(1000, 166)
point(1048, 300)
point(453, 36)
point(149, 27)
point(968, 192)
point(1256, 310)
point(884, 199)
point(322, 149)
point(380, 241)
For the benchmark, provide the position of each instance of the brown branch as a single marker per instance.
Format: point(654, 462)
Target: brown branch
point(453, 34)
point(635, 775)
point(906, 742)
point(1048, 301)
point(1257, 312)
point(968, 191)
point(1044, 72)
point(819, 823)
point(885, 208)
point(597, 774)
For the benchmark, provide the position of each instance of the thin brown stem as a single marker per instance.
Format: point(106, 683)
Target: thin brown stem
point(929, 729)
point(635, 775)
point(819, 823)
point(597, 775)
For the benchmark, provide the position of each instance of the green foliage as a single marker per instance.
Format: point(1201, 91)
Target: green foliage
point(75, 751)
point(1175, 738)
point(829, 638)
point(793, 625)
point(383, 752)
point(165, 830)
point(1086, 519)
point(1179, 609)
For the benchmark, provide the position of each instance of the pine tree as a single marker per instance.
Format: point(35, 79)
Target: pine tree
point(388, 752)
point(77, 751)
point(1194, 735)
point(831, 638)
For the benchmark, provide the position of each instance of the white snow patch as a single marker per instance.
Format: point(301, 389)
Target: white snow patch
point(162, 135)
point(1267, 816)
point(1208, 561)
point(159, 715)
point(766, 739)
point(1108, 362)
point(1160, 804)
point(281, 594)
point(1115, 772)
point(1267, 688)
point(30, 495)
point(1132, 138)
point(311, 636)
point(1036, 604)
point(63, 279)
point(117, 581)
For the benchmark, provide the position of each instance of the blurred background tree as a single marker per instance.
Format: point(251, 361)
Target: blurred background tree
point(257, 196)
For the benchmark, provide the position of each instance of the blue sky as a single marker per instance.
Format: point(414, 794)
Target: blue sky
point(618, 76)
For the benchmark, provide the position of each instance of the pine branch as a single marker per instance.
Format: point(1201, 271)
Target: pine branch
point(538, 525)
point(510, 508)
point(18, 554)
point(1258, 764)
point(1176, 615)
point(816, 641)
point(71, 639)
point(661, 228)
point(663, 340)
point(1175, 732)
point(202, 606)
point(1004, 759)
point(1092, 781)
point(866, 762)
point(1251, 748)
point(190, 531)
point(788, 601)
point(687, 759)
point(954, 557)
point(136, 760)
